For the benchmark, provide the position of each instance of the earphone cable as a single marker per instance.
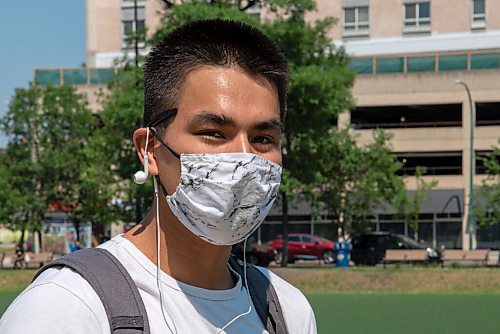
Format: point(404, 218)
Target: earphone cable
point(158, 261)
point(246, 287)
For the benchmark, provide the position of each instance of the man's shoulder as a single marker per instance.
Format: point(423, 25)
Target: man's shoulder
point(296, 309)
point(279, 283)
point(57, 295)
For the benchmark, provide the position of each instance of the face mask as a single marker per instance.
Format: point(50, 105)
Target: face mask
point(223, 198)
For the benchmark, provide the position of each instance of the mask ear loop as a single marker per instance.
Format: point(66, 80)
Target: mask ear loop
point(158, 261)
point(246, 287)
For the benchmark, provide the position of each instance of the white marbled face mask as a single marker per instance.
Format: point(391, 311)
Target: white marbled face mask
point(224, 197)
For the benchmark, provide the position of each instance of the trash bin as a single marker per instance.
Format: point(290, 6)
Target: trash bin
point(342, 253)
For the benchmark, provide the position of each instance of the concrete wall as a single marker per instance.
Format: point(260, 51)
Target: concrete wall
point(104, 29)
point(386, 16)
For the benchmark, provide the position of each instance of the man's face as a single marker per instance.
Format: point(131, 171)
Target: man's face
point(221, 110)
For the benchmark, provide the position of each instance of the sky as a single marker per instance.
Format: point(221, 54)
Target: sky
point(37, 34)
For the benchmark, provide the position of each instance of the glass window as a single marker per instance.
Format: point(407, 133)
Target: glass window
point(449, 234)
point(478, 14)
point(393, 227)
point(350, 15)
point(130, 25)
point(294, 238)
point(478, 6)
point(411, 12)
point(140, 24)
point(392, 242)
point(453, 63)
point(421, 64)
point(424, 10)
point(307, 239)
point(417, 17)
point(356, 21)
point(363, 14)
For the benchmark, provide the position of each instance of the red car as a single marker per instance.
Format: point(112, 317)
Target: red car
point(303, 246)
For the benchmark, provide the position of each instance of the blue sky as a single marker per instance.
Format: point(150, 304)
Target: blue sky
point(38, 34)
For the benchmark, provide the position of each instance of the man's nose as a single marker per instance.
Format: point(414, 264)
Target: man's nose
point(242, 144)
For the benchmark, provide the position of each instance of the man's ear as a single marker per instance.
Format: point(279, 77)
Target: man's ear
point(139, 138)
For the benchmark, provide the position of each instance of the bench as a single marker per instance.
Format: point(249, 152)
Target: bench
point(461, 256)
point(408, 256)
point(38, 260)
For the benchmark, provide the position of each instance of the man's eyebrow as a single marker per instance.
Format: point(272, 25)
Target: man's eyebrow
point(272, 124)
point(208, 117)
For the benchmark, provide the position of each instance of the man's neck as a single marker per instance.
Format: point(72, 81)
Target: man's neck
point(184, 256)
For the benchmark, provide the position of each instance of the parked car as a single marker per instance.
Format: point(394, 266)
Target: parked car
point(369, 248)
point(303, 246)
point(260, 255)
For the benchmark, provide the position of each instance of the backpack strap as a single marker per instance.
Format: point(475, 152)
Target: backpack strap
point(114, 286)
point(263, 296)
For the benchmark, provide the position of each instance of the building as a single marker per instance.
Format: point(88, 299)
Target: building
point(408, 55)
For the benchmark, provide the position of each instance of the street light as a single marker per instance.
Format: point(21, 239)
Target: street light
point(470, 220)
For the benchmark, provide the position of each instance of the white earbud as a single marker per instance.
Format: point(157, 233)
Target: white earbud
point(141, 177)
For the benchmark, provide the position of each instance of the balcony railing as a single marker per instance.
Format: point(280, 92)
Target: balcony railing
point(427, 63)
point(73, 76)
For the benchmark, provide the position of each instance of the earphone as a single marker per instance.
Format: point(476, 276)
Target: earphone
point(141, 177)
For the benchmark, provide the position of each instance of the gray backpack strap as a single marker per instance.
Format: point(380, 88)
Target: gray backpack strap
point(264, 297)
point(114, 286)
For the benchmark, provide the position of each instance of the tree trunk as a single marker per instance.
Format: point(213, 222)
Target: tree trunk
point(40, 241)
point(284, 222)
point(76, 224)
point(21, 240)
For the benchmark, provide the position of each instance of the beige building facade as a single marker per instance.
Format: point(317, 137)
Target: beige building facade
point(408, 55)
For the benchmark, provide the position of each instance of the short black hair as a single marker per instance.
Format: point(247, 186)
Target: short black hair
point(215, 42)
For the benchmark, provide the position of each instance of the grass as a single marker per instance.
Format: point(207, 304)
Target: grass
point(6, 297)
point(373, 300)
point(406, 313)
point(394, 280)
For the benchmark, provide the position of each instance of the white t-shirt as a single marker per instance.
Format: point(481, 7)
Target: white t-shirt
point(61, 301)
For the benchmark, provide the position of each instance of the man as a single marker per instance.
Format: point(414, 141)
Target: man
point(215, 101)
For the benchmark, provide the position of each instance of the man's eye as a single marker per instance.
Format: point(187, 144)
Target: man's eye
point(211, 134)
point(264, 140)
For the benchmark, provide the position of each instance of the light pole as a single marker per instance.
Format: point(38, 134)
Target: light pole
point(470, 220)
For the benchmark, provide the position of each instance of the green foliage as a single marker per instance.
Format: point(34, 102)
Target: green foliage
point(316, 158)
point(191, 11)
point(488, 204)
point(351, 181)
point(46, 159)
point(121, 115)
point(409, 206)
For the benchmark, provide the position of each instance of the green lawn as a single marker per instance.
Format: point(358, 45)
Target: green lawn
point(374, 300)
point(406, 313)
point(392, 313)
point(6, 297)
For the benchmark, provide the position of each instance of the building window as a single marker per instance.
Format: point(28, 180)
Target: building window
point(356, 21)
point(478, 14)
point(130, 25)
point(407, 116)
point(417, 17)
point(435, 163)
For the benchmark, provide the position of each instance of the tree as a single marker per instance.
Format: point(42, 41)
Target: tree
point(123, 105)
point(319, 92)
point(488, 206)
point(352, 181)
point(320, 82)
point(46, 157)
point(409, 206)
